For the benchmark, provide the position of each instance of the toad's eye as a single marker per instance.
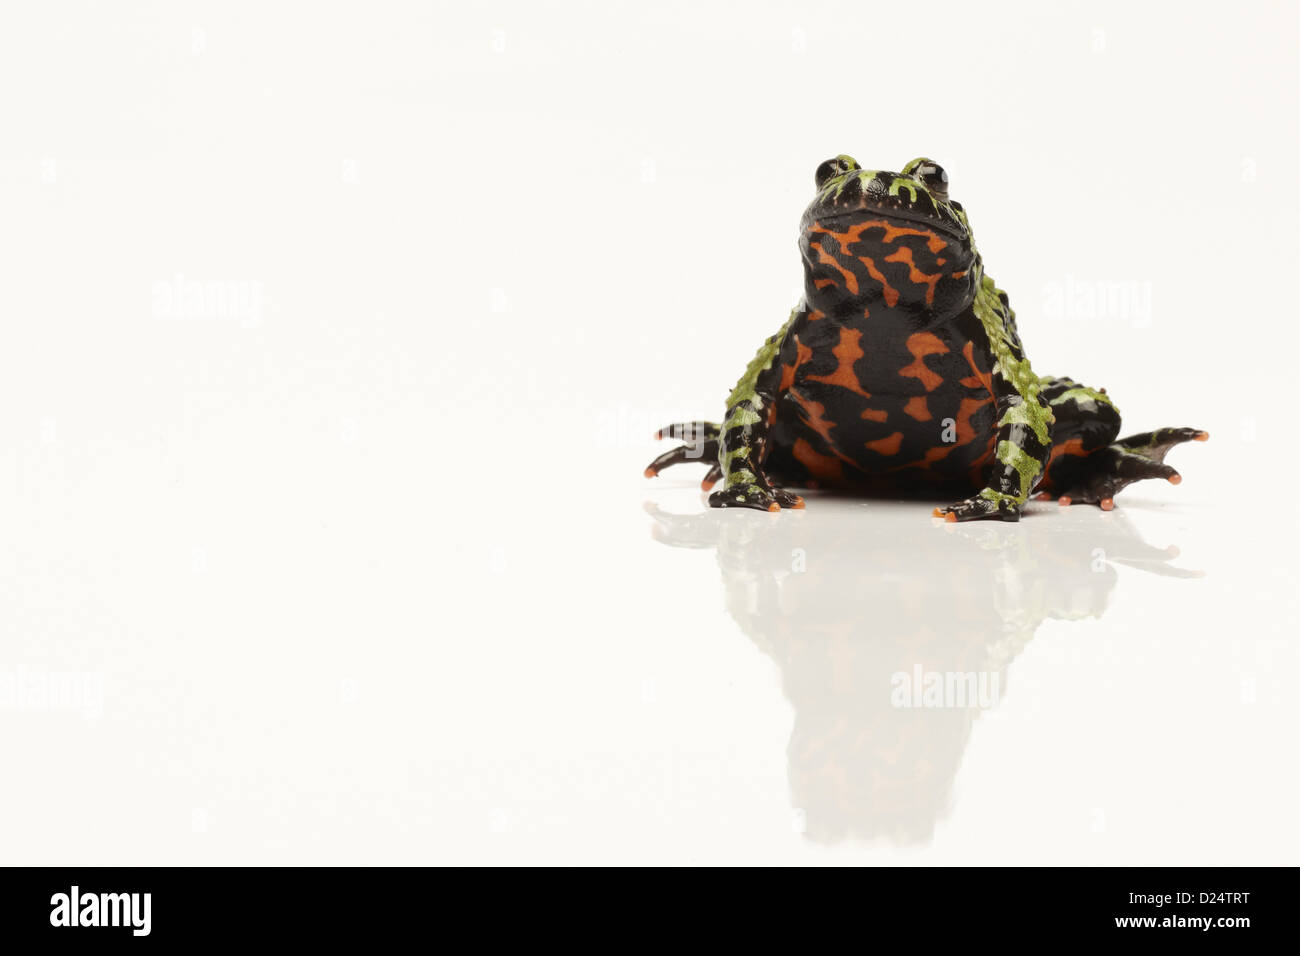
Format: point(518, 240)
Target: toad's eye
point(832, 168)
point(934, 178)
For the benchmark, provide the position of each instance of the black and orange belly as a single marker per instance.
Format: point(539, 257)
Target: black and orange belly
point(889, 410)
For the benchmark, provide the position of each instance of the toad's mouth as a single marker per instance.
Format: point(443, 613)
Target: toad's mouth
point(891, 208)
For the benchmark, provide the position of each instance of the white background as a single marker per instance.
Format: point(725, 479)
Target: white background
point(361, 570)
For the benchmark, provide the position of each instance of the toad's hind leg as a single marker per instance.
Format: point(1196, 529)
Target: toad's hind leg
point(1123, 462)
point(1088, 464)
point(1086, 422)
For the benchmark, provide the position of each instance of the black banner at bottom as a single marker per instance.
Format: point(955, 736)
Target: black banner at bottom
point(972, 906)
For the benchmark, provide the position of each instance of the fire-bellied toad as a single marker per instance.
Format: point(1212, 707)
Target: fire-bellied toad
point(902, 370)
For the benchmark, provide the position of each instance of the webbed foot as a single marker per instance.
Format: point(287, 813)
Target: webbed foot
point(987, 504)
point(757, 496)
point(1123, 462)
point(701, 444)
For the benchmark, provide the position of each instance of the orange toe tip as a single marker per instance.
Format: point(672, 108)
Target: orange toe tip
point(950, 517)
point(650, 472)
point(1044, 496)
point(707, 485)
point(937, 513)
point(774, 507)
point(1064, 501)
point(1175, 479)
point(659, 436)
point(1107, 504)
point(1202, 436)
point(799, 505)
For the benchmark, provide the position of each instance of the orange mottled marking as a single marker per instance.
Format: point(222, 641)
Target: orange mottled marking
point(826, 259)
point(915, 275)
point(887, 290)
point(822, 467)
point(1073, 446)
point(965, 411)
point(853, 234)
point(847, 352)
point(965, 434)
point(875, 415)
point(887, 446)
point(814, 415)
point(802, 354)
point(932, 455)
point(921, 344)
point(918, 408)
point(978, 378)
point(892, 232)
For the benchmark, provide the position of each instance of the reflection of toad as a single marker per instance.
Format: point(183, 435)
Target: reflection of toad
point(854, 621)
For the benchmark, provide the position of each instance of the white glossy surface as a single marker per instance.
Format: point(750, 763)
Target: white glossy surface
point(369, 573)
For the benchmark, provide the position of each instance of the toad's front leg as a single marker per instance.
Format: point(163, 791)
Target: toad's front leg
point(1021, 450)
point(743, 442)
point(743, 449)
